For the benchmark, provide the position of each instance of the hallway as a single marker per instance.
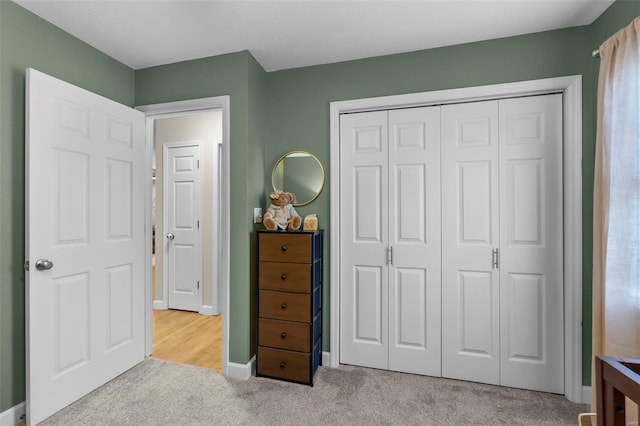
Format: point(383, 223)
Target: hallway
point(188, 338)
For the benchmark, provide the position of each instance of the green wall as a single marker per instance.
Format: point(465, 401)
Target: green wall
point(242, 78)
point(28, 41)
point(255, 193)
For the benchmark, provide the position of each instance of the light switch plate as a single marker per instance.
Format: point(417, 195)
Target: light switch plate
point(257, 215)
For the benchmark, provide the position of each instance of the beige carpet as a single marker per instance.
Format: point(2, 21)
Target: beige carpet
point(161, 393)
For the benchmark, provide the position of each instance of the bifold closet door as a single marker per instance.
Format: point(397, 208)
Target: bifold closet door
point(531, 244)
point(414, 237)
point(390, 243)
point(502, 190)
point(470, 233)
point(364, 275)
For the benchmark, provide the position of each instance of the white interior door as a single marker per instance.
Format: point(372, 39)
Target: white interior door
point(531, 249)
point(470, 233)
point(364, 313)
point(390, 196)
point(414, 238)
point(85, 242)
point(502, 189)
point(183, 249)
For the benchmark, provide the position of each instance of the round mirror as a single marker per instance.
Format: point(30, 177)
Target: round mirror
point(299, 172)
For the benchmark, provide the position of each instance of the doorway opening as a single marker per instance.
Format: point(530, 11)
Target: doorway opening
point(187, 289)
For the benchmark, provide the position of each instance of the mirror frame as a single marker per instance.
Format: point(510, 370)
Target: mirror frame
point(282, 157)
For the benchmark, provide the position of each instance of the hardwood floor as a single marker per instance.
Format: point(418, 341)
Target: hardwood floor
point(188, 338)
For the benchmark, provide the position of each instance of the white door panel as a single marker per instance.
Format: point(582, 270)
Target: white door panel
point(531, 268)
point(367, 307)
point(85, 213)
point(363, 198)
point(414, 235)
point(183, 248)
point(470, 225)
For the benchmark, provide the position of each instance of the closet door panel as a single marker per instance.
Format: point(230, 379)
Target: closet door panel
point(364, 241)
point(414, 238)
point(470, 226)
point(531, 267)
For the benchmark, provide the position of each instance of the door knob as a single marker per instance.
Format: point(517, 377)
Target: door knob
point(170, 236)
point(44, 264)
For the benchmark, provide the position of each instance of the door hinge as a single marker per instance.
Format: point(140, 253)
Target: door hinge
point(390, 255)
point(198, 285)
point(26, 265)
point(496, 258)
point(198, 163)
point(198, 224)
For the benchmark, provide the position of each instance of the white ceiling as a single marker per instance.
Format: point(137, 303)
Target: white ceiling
point(297, 33)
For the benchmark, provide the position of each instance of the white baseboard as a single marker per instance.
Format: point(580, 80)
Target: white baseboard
point(326, 359)
point(241, 371)
point(12, 416)
point(159, 304)
point(586, 395)
point(208, 310)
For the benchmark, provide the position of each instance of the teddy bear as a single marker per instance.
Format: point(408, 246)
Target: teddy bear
point(281, 214)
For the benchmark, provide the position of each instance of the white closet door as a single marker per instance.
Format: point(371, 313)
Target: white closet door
point(470, 225)
point(364, 239)
point(414, 235)
point(531, 268)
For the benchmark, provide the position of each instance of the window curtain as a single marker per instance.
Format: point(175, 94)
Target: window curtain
point(616, 232)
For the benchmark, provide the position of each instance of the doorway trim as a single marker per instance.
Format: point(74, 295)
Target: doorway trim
point(571, 88)
point(152, 112)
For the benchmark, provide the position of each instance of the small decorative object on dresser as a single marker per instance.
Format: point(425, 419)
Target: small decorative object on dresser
point(289, 305)
point(310, 222)
point(281, 214)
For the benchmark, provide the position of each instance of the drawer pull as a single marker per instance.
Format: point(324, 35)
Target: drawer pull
point(283, 364)
point(283, 248)
point(283, 277)
point(284, 306)
point(283, 334)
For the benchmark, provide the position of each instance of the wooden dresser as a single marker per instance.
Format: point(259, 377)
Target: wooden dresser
point(289, 305)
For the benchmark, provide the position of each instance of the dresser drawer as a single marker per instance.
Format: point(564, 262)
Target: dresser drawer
point(295, 277)
point(285, 306)
point(281, 364)
point(290, 335)
point(284, 247)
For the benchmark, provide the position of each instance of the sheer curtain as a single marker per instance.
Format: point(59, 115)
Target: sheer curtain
point(616, 232)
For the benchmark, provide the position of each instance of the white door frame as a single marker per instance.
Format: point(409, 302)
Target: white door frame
point(165, 219)
point(571, 87)
point(222, 251)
